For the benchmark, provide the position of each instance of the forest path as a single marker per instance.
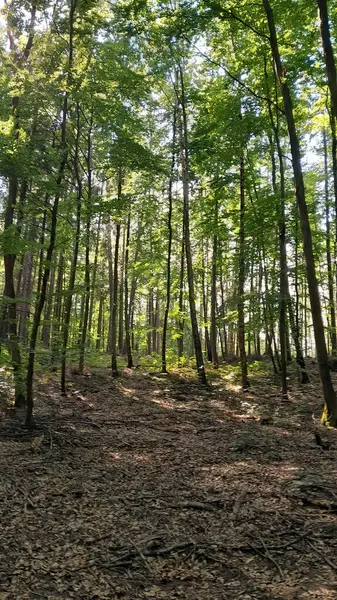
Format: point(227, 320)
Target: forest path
point(148, 486)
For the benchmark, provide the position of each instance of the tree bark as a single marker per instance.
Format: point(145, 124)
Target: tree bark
point(114, 367)
point(126, 296)
point(241, 282)
point(330, 412)
point(50, 250)
point(332, 307)
point(189, 264)
point(170, 236)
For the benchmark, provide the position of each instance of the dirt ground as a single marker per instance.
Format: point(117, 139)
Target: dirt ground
point(150, 487)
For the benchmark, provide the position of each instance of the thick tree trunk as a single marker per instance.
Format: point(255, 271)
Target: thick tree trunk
point(330, 412)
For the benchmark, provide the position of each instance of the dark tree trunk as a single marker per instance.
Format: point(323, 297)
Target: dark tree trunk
point(330, 411)
point(189, 264)
point(70, 291)
point(52, 239)
point(87, 248)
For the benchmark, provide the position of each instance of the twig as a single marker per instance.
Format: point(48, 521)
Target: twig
point(237, 505)
point(145, 561)
point(267, 554)
point(322, 555)
point(192, 504)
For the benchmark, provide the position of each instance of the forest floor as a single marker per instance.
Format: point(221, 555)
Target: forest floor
point(149, 487)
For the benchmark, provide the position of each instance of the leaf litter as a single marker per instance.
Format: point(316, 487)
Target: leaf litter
point(148, 486)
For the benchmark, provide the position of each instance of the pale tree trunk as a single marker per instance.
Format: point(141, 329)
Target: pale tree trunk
point(241, 283)
point(330, 411)
point(94, 277)
point(114, 367)
point(204, 292)
point(213, 337)
point(87, 248)
point(332, 307)
point(126, 297)
point(121, 345)
point(70, 291)
point(170, 236)
point(180, 339)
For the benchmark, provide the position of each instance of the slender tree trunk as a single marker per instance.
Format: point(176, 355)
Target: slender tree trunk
point(189, 264)
point(87, 248)
point(25, 293)
point(330, 411)
point(121, 345)
point(241, 284)
point(50, 250)
point(94, 277)
point(70, 291)
point(332, 307)
point(180, 338)
point(205, 305)
point(114, 368)
point(111, 285)
point(99, 324)
point(213, 338)
point(170, 236)
point(126, 296)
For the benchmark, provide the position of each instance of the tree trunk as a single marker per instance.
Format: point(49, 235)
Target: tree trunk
point(330, 412)
point(70, 291)
point(94, 276)
point(126, 296)
point(114, 368)
point(170, 236)
point(87, 247)
point(189, 264)
point(204, 291)
point(213, 338)
point(332, 308)
point(50, 250)
point(180, 338)
point(241, 283)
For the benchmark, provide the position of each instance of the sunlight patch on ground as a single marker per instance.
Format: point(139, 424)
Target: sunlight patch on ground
point(162, 403)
